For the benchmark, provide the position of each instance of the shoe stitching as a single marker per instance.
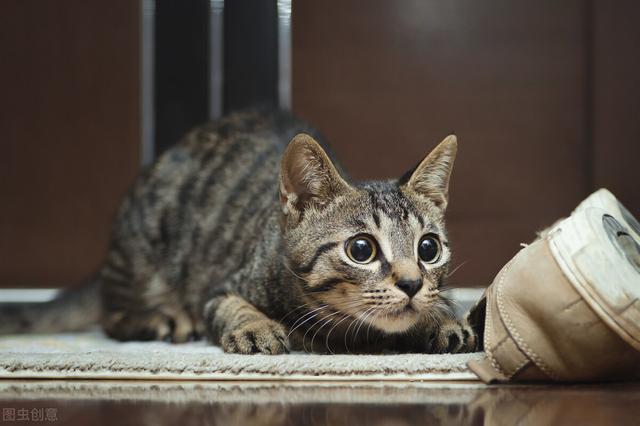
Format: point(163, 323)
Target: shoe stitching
point(487, 340)
point(511, 328)
point(571, 305)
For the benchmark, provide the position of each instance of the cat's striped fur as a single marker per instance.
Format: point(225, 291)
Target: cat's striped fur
point(234, 236)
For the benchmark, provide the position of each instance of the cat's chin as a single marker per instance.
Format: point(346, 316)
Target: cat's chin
point(396, 322)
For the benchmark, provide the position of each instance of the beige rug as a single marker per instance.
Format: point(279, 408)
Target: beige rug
point(93, 356)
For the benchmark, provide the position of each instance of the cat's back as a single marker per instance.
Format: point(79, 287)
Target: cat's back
point(237, 144)
point(202, 201)
point(224, 148)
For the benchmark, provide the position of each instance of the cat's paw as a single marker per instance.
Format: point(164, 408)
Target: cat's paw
point(175, 326)
point(453, 337)
point(256, 337)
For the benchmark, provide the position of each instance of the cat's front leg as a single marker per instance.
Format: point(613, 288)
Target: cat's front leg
point(447, 335)
point(239, 327)
point(452, 336)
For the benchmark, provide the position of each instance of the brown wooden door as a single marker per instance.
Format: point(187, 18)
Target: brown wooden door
point(530, 88)
point(544, 97)
point(69, 134)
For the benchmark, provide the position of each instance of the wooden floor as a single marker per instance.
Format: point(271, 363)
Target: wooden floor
point(288, 403)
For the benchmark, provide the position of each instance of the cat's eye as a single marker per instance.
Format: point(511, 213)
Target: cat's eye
point(429, 249)
point(361, 249)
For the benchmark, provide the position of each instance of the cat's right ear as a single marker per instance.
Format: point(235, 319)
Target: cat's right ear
point(308, 178)
point(431, 177)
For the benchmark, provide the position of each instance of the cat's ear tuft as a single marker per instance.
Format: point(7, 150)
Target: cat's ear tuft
point(431, 177)
point(307, 177)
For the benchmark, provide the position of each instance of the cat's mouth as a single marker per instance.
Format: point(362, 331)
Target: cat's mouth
point(408, 309)
point(398, 320)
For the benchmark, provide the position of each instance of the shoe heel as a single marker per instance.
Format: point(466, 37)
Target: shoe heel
point(624, 241)
point(605, 200)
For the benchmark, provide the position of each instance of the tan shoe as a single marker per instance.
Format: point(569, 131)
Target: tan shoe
point(606, 201)
point(566, 307)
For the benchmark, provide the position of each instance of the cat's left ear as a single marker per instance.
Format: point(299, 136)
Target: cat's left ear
point(431, 177)
point(308, 178)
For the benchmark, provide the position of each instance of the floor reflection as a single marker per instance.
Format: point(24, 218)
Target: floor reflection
point(397, 404)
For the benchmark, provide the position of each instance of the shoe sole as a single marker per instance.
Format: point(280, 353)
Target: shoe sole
point(608, 202)
point(600, 255)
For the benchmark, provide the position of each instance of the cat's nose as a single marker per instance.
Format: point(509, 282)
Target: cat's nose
point(410, 287)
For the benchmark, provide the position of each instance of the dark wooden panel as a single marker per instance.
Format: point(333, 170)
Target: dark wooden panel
point(616, 99)
point(69, 134)
point(181, 69)
point(250, 54)
point(386, 82)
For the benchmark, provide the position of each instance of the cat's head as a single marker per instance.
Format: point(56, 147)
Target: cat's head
point(376, 251)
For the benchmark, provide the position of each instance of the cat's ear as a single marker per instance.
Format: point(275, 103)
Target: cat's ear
point(431, 177)
point(307, 177)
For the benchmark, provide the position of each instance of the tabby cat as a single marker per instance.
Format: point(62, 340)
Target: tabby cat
point(265, 247)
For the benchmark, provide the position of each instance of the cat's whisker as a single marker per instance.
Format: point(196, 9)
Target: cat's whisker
point(303, 306)
point(375, 315)
point(304, 337)
point(329, 319)
point(456, 268)
point(452, 301)
point(346, 333)
point(447, 288)
point(441, 303)
point(439, 313)
point(314, 313)
point(284, 263)
point(293, 310)
point(367, 320)
point(361, 322)
point(435, 318)
point(308, 319)
point(358, 304)
point(294, 326)
point(326, 342)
